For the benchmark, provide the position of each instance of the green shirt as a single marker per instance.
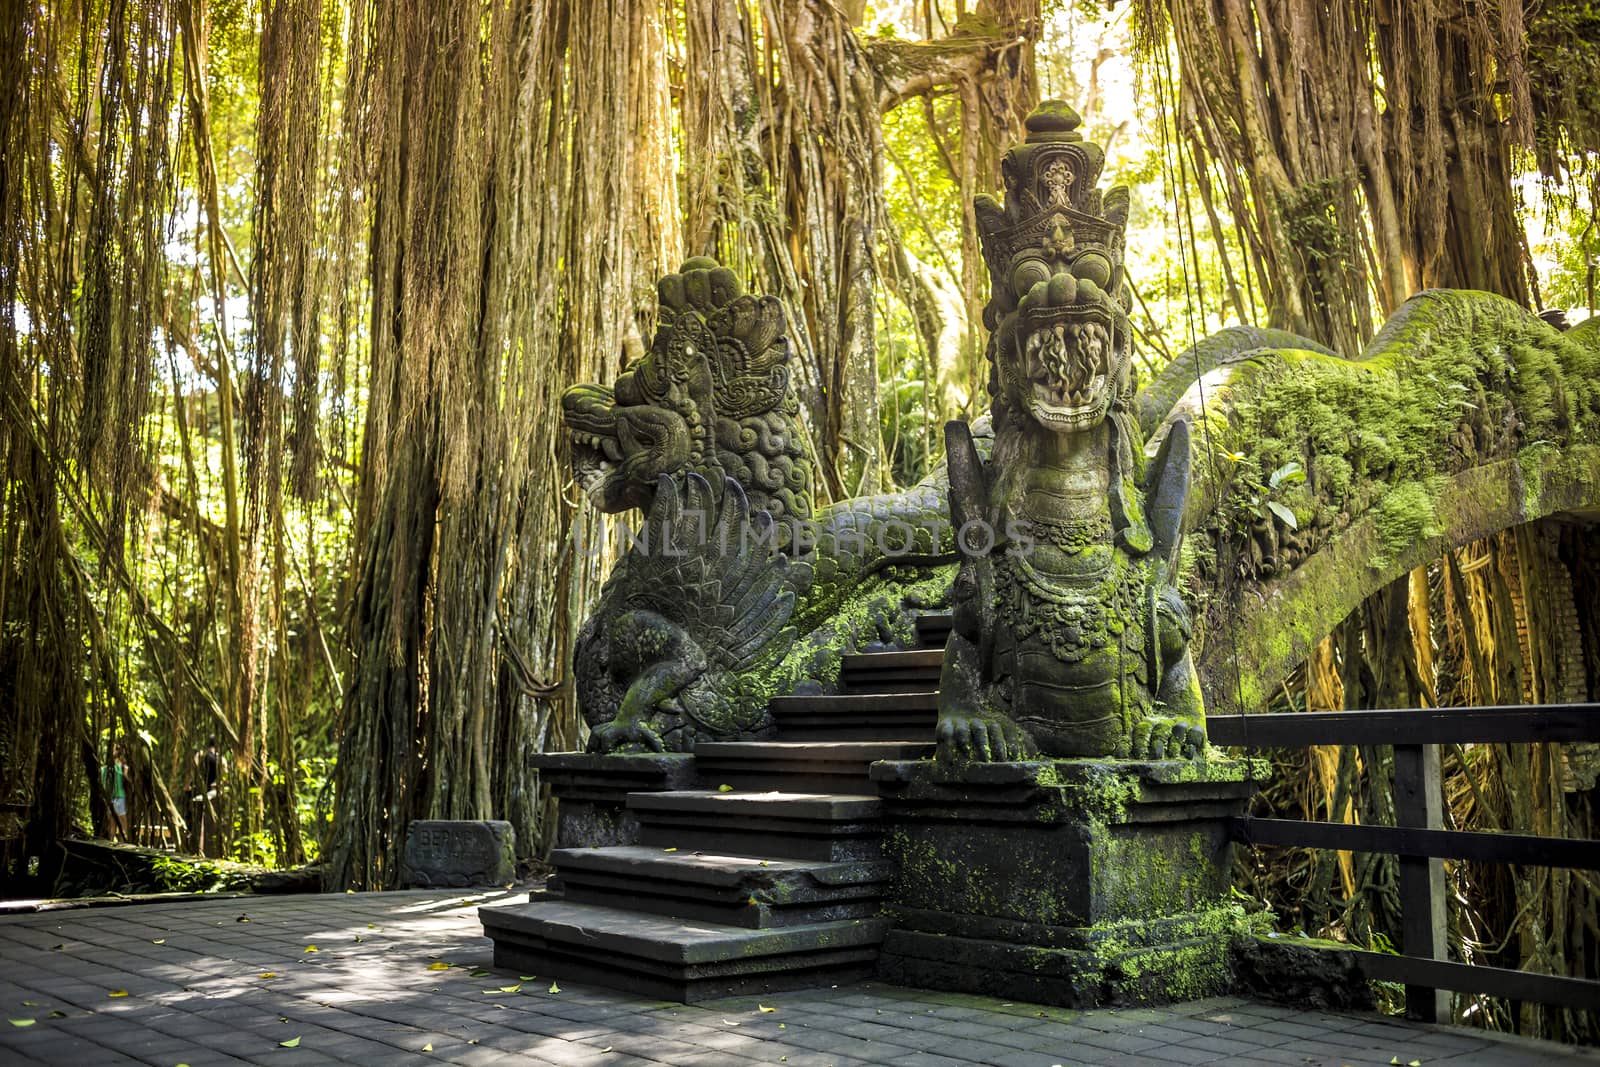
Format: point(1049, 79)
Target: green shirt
point(113, 777)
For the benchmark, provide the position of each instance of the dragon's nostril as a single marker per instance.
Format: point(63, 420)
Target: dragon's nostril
point(1063, 289)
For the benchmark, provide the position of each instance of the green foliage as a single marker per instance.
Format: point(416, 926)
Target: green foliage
point(175, 875)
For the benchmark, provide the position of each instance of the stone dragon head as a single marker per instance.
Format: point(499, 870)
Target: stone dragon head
point(711, 397)
point(1059, 338)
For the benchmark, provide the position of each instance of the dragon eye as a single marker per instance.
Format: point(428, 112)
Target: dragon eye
point(1093, 266)
point(1028, 273)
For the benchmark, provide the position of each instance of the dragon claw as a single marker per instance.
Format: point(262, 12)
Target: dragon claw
point(1157, 738)
point(612, 737)
point(976, 738)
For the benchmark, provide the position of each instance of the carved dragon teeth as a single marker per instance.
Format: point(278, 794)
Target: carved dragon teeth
point(1067, 366)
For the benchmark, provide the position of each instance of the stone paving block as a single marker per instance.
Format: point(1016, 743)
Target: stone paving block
point(1452, 1043)
point(1221, 1045)
point(1021, 1038)
point(1167, 1035)
point(926, 1059)
point(1387, 1031)
point(1075, 1056)
point(1355, 1051)
point(1196, 1026)
point(1177, 1054)
point(1119, 1042)
point(1257, 1036)
point(1289, 1027)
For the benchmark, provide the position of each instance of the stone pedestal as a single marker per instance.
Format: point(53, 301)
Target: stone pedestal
point(1071, 882)
point(457, 853)
point(592, 792)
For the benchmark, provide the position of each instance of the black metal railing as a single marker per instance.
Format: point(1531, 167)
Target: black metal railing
point(1419, 840)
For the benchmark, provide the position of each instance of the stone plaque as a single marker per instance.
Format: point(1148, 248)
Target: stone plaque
point(451, 853)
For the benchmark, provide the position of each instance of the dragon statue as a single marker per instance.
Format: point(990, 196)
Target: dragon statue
point(735, 587)
point(1070, 638)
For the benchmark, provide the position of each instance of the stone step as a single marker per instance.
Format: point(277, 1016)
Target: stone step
point(892, 672)
point(667, 958)
point(836, 827)
point(857, 716)
point(801, 766)
point(736, 890)
point(933, 629)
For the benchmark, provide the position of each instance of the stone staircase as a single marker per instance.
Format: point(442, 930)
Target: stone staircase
point(770, 875)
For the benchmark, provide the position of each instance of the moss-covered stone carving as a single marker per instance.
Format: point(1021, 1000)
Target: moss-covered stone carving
point(1319, 480)
point(1069, 637)
point(734, 588)
point(702, 599)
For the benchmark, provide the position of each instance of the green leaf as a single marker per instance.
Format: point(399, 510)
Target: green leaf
point(724, 788)
point(1283, 513)
point(22, 1022)
point(554, 988)
point(293, 1042)
point(1288, 474)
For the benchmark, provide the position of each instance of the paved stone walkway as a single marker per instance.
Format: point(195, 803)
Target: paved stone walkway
point(359, 978)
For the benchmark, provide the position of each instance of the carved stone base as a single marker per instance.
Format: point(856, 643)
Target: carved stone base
point(1071, 882)
point(592, 792)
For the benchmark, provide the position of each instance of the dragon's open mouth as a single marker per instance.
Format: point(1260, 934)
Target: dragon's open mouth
point(595, 458)
point(1067, 356)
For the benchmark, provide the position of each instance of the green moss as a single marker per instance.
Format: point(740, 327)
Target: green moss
point(1407, 515)
point(1456, 383)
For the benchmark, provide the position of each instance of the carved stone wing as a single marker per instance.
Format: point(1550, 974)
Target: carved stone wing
point(1166, 491)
